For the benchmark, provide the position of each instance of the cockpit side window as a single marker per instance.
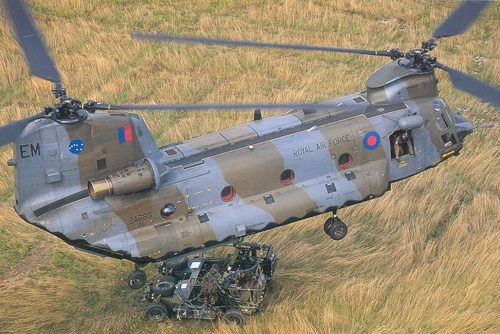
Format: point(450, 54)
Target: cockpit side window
point(441, 122)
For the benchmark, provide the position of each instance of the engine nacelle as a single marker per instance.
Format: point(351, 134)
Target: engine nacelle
point(126, 181)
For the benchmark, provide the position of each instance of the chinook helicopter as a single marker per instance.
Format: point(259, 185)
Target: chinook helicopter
point(98, 180)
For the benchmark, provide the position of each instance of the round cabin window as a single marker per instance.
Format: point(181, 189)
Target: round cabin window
point(345, 160)
point(287, 176)
point(228, 193)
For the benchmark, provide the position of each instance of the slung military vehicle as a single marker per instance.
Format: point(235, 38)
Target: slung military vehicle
point(207, 287)
point(98, 180)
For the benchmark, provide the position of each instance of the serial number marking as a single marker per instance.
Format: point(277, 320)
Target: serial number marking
point(140, 218)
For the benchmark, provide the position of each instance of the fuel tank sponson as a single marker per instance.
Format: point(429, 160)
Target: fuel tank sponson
point(411, 122)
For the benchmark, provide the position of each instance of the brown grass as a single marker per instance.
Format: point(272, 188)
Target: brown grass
point(424, 258)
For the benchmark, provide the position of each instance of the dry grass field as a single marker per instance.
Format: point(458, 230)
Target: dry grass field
point(424, 258)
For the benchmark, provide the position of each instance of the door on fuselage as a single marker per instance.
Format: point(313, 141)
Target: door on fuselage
point(402, 145)
point(407, 153)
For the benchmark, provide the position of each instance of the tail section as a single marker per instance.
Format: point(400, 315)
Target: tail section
point(54, 163)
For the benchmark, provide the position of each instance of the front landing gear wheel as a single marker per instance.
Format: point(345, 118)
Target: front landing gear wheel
point(335, 228)
point(137, 279)
point(327, 225)
point(156, 311)
point(337, 231)
point(234, 317)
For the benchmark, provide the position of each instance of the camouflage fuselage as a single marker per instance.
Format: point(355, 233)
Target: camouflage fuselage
point(227, 184)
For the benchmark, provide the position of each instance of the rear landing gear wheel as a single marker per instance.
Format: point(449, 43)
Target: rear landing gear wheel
point(335, 228)
point(137, 279)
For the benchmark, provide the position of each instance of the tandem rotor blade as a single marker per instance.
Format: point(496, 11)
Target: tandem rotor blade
point(226, 42)
point(473, 86)
point(102, 106)
point(39, 60)
point(12, 131)
point(460, 19)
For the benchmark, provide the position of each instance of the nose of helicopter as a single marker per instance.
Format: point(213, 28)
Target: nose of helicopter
point(462, 126)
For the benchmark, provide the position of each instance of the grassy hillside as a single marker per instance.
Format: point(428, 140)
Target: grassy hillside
point(424, 258)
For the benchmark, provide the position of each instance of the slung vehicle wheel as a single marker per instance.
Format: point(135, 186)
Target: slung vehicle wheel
point(169, 278)
point(234, 317)
point(157, 312)
point(177, 263)
point(137, 279)
point(164, 289)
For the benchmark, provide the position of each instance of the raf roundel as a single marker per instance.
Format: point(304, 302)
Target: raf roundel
point(76, 146)
point(371, 140)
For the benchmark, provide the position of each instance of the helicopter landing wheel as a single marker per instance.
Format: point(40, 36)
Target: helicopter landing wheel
point(137, 279)
point(335, 228)
point(330, 221)
point(327, 225)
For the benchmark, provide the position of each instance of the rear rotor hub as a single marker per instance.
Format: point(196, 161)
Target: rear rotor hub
point(67, 111)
